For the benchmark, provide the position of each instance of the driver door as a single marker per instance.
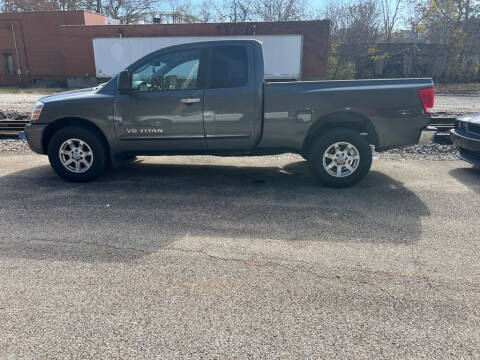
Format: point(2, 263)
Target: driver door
point(164, 109)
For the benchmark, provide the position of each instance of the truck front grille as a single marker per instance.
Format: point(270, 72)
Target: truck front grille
point(469, 128)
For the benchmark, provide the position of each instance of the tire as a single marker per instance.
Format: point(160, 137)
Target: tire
point(352, 155)
point(78, 145)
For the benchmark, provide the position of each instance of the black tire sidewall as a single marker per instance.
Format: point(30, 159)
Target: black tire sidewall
point(86, 135)
point(315, 157)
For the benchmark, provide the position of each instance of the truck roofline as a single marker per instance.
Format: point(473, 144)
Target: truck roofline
point(195, 45)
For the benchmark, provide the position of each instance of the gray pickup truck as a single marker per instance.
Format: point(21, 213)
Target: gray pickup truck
point(211, 98)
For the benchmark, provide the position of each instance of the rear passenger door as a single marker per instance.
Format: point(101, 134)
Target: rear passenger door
point(230, 110)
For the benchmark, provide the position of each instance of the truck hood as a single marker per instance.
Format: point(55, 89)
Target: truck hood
point(66, 95)
point(472, 118)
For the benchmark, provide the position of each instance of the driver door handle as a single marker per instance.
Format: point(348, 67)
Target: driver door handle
point(190, 100)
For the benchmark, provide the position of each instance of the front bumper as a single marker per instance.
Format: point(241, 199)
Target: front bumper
point(468, 148)
point(34, 134)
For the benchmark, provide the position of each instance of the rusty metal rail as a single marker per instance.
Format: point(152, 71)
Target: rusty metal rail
point(12, 127)
point(443, 124)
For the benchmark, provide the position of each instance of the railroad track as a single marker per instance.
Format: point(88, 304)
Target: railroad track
point(443, 124)
point(12, 127)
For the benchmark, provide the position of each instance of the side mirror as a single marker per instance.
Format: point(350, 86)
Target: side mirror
point(123, 82)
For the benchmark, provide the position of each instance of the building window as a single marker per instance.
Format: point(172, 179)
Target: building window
point(8, 64)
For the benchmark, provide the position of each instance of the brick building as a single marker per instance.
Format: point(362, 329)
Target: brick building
point(38, 48)
point(31, 44)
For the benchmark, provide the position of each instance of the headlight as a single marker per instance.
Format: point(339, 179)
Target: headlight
point(37, 110)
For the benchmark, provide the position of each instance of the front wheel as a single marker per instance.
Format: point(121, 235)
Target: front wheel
point(77, 154)
point(340, 158)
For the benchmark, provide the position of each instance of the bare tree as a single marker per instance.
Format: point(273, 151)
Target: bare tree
point(233, 10)
point(33, 5)
point(280, 10)
point(181, 11)
point(204, 13)
point(354, 30)
point(355, 22)
point(42, 5)
point(129, 11)
point(93, 5)
point(6, 6)
point(390, 16)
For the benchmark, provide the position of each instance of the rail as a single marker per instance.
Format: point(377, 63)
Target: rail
point(12, 127)
point(443, 124)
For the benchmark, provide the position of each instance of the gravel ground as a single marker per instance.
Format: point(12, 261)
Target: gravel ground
point(420, 152)
point(18, 102)
point(14, 115)
point(456, 104)
point(11, 144)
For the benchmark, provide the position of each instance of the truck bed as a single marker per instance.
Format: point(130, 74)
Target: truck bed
point(392, 106)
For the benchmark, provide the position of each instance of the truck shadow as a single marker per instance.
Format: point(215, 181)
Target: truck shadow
point(141, 208)
point(469, 176)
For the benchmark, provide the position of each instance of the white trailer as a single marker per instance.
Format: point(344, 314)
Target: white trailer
point(282, 53)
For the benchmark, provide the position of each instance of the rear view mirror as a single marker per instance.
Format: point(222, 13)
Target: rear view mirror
point(123, 82)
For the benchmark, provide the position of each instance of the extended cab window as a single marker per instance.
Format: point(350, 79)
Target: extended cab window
point(172, 71)
point(228, 67)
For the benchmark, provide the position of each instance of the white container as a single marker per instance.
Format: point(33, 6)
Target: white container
point(282, 53)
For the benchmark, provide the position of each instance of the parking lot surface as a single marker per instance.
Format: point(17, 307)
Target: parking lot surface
point(239, 258)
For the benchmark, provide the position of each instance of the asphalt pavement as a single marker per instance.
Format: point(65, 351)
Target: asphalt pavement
point(239, 258)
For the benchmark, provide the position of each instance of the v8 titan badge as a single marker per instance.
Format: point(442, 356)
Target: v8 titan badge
point(145, 131)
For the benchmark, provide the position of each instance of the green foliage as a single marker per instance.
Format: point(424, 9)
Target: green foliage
point(455, 24)
point(341, 70)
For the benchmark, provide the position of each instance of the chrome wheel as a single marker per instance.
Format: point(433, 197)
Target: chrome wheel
point(76, 156)
point(341, 159)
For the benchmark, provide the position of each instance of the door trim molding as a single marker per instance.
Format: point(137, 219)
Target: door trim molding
point(172, 137)
point(229, 136)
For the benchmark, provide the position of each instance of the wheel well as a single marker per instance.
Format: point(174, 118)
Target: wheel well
point(348, 120)
point(64, 122)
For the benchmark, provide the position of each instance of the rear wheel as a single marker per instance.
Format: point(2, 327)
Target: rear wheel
point(340, 158)
point(77, 154)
